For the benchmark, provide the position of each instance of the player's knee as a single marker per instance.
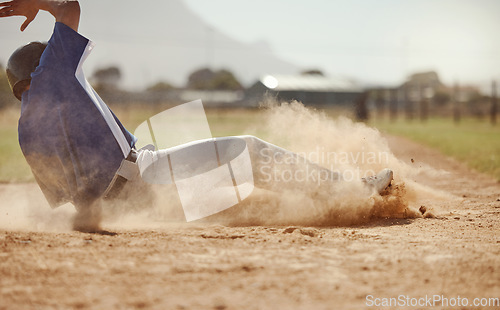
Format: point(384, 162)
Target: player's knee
point(251, 139)
point(253, 143)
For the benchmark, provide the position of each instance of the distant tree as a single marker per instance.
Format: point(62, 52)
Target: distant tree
point(160, 86)
point(201, 79)
point(4, 83)
point(477, 104)
point(207, 79)
point(107, 78)
point(225, 80)
point(441, 97)
point(312, 72)
point(6, 96)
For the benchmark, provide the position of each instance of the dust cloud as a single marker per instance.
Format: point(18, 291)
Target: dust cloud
point(24, 207)
point(352, 150)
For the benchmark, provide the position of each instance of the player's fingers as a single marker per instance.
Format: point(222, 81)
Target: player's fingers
point(7, 3)
point(27, 22)
point(5, 13)
point(5, 9)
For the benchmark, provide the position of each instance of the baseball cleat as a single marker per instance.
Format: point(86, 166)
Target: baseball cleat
point(380, 181)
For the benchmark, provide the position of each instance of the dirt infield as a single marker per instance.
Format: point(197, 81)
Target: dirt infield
point(454, 253)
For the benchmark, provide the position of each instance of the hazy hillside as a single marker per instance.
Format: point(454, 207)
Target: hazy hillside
point(169, 36)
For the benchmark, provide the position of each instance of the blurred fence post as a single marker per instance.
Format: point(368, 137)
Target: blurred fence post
point(424, 103)
point(424, 109)
point(408, 104)
point(401, 100)
point(493, 111)
point(361, 108)
point(456, 106)
point(392, 95)
point(380, 103)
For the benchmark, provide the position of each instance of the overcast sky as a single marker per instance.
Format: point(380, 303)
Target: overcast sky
point(374, 41)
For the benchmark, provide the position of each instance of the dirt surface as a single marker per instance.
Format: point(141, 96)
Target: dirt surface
point(454, 253)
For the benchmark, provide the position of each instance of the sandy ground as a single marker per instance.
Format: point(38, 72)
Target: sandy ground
point(205, 266)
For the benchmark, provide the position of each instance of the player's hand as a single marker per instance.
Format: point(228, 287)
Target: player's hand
point(27, 8)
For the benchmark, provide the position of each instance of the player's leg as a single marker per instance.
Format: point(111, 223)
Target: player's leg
point(278, 169)
point(88, 217)
point(273, 168)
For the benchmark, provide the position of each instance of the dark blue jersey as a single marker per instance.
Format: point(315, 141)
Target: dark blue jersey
point(72, 141)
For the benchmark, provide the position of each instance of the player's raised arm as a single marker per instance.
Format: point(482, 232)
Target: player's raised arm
point(64, 11)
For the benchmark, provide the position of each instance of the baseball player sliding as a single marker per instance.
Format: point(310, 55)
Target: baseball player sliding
point(78, 150)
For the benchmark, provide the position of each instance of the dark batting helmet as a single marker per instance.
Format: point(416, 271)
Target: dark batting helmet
point(21, 64)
